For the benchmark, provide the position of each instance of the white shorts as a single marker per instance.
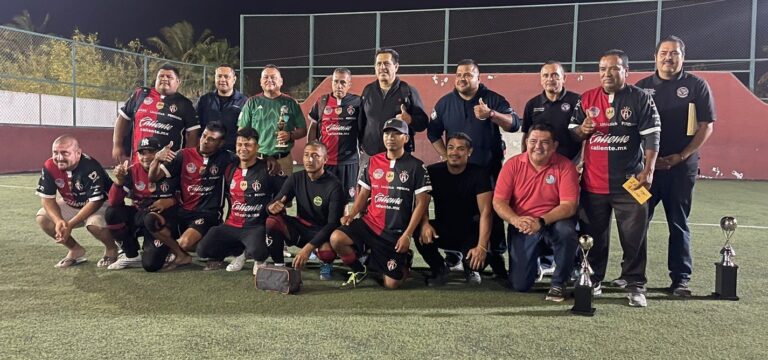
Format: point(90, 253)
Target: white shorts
point(67, 212)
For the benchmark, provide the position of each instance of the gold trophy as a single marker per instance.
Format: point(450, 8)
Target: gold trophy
point(282, 119)
point(726, 270)
point(582, 293)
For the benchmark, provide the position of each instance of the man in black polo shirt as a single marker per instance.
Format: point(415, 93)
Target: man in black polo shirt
point(388, 97)
point(83, 185)
point(463, 210)
point(334, 123)
point(481, 113)
point(161, 112)
point(223, 104)
point(320, 204)
point(687, 111)
point(553, 107)
point(396, 184)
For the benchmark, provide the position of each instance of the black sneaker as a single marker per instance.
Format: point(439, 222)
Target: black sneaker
point(439, 278)
point(681, 289)
point(556, 294)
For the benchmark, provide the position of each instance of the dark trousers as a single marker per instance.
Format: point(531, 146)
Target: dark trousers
point(225, 240)
point(524, 253)
point(674, 188)
point(451, 238)
point(632, 221)
point(126, 223)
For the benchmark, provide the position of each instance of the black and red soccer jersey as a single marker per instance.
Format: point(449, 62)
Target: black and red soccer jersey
point(144, 192)
point(337, 127)
point(201, 179)
point(614, 152)
point(320, 203)
point(394, 185)
point(86, 182)
point(167, 118)
point(250, 190)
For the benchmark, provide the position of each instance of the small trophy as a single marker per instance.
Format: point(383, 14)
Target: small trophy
point(582, 304)
point(281, 121)
point(726, 270)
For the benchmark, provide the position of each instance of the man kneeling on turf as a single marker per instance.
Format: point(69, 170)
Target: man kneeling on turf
point(127, 223)
point(396, 184)
point(250, 188)
point(537, 194)
point(320, 200)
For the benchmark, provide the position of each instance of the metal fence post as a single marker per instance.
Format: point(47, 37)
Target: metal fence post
point(146, 66)
point(74, 85)
point(378, 30)
point(205, 79)
point(658, 21)
point(311, 79)
point(242, 50)
point(446, 36)
point(575, 36)
point(752, 41)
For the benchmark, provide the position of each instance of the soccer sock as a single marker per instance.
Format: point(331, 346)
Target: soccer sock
point(351, 261)
point(326, 256)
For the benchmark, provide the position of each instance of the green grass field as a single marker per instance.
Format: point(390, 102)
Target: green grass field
point(85, 312)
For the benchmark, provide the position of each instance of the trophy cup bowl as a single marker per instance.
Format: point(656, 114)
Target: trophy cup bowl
point(726, 271)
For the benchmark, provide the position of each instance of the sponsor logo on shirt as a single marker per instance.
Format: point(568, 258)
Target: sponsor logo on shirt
point(378, 174)
point(390, 176)
point(59, 183)
point(147, 101)
point(682, 92)
point(140, 186)
point(191, 168)
point(318, 201)
point(199, 189)
point(384, 199)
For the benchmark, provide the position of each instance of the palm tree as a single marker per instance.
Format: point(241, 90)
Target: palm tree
point(217, 52)
point(177, 42)
point(24, 21)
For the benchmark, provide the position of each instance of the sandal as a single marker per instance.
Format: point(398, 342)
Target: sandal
point(68, 261)
point(106, 261)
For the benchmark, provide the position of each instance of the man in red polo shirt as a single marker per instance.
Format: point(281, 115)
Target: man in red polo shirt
point(537, 194)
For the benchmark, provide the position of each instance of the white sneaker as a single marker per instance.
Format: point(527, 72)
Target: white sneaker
point(597, 289)
point(474, 278)
point(637, 299)
point(237, 263)
point(257, 265)
point(125, 262)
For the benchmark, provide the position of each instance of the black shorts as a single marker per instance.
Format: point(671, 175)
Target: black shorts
point(383, 255)
point(200, 221)
point(300, 234)
point(347, 174)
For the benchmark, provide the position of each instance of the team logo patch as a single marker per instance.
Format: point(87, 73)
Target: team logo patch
point(164, 187)
point(140, 186)
point(650, 91)
point(268, 241)
point(338, 110)
point(59, 183)
point(550, 179)
point(160, 105)
point(328, 110)
point(93, 175)
point(256, 185)
point(390, 176)
point(565, 107)
point(378, 173)
point(350, 110)
point(318, 201)
point(682, 92)
point(152, 187)
point(391, 265)
point(403, 176)
point(214, 169)
point(158, 243)
point(144, 142)
point(626, 112)
point(243, 185)
point(173, 108)
point(200, 221)
point(352, 192)
point(147, 101)
point(610, 112)
point(433, 115)
point(191, 168)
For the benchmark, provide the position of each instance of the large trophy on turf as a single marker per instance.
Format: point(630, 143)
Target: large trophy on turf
point(582, 293)
point(726, 270)
point(281, 121)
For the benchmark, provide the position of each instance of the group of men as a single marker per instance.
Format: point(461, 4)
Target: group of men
point(582, 156)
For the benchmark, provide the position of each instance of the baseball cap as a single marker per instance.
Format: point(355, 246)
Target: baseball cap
point(149, 143)
point(396, 124)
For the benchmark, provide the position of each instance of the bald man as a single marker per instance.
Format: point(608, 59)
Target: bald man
point(82, 185)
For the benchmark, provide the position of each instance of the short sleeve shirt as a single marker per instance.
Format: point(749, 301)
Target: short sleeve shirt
point(338, 128)
point(557, 114)
point(86, 182)
point(167, 118)
point(249, 192)
point(263, 114)
point(201, 179)
point(455, 195)
point(144, 192)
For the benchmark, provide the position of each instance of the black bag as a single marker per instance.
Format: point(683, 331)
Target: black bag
point(286, 280)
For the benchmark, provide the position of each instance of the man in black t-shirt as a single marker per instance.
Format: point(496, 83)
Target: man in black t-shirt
point(320, 204)
point(463, 197)
point(396, 184)
point(83, 185)
point(687, 111)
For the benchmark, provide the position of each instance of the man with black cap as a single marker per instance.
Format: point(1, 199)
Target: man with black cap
point(127, 223)
point(396, 184)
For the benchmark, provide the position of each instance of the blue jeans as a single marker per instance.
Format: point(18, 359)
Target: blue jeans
point(524, 253)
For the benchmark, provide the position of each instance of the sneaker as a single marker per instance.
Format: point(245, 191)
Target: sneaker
point(680, 289)
point(453, 260)
point(326, 271)
point(556, 294)
point(257, 265)
point(354, 279)
point(548, 271)
point(237, 263)
point(287, 253)
point(212, 265)
point(125, 262)
point(597, 289)
point(439, 277)
point(619, 283)
point(637, 299)
point(473, 277)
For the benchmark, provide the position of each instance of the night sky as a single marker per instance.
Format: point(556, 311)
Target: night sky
point(126, 20)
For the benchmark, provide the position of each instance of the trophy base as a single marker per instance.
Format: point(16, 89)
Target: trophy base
point(582, 304)
point(725, 282)
point(281, 146)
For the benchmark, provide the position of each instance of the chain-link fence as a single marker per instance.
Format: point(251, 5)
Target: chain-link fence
point(46, 80)
point(726, 35)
